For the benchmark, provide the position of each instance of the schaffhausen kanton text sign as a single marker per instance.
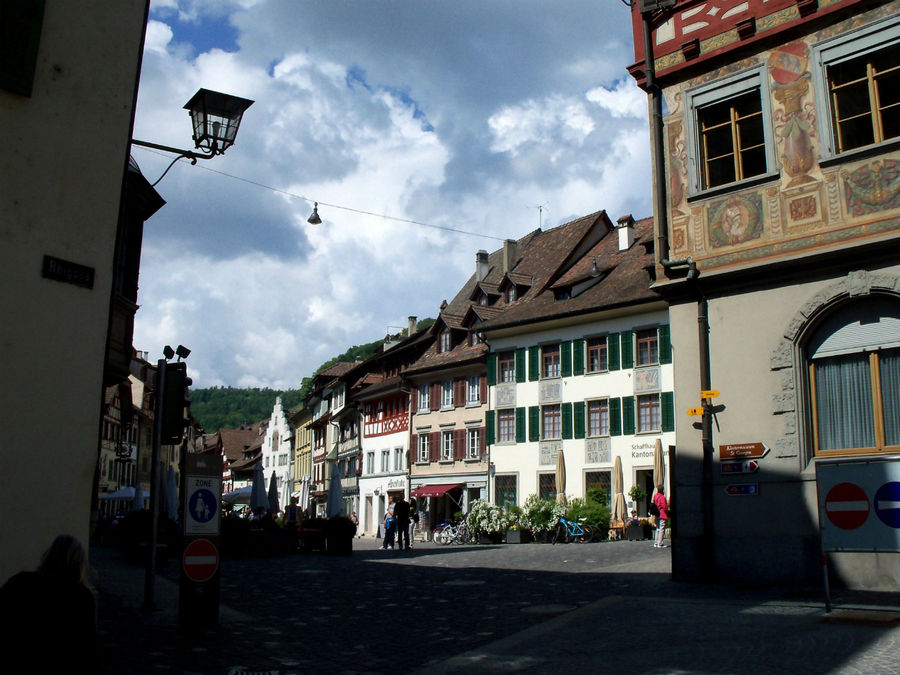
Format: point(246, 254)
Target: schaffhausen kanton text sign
point(743, 451)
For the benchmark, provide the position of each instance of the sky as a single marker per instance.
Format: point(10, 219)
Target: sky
point(426, 130)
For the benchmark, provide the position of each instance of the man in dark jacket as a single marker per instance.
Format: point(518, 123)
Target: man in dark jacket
point(401, 514)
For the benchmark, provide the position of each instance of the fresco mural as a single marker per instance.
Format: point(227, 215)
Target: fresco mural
point(872, 188)
point(795, 123)
point(735, 220)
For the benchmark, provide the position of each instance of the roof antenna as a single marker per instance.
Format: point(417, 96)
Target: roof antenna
point(540, 208)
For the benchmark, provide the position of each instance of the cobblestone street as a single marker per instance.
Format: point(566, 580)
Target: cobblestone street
point(603, 607)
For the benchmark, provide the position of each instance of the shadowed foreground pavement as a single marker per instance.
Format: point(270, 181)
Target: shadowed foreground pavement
point(606, 607)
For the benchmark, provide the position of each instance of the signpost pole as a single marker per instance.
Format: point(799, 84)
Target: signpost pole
point(822, 548)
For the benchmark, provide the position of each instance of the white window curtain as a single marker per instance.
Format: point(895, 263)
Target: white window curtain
point(890, 395)
point(844, 402)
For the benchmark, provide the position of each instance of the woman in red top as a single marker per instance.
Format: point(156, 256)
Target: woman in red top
point(660, 500)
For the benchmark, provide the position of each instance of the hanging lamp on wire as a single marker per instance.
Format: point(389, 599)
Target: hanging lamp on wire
point(314, 216)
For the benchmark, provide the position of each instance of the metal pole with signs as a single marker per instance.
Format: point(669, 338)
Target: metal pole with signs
point(198, 597)
point(859, 507)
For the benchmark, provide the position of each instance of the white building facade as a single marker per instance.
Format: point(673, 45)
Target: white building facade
point(594, 391)
point(277, 453)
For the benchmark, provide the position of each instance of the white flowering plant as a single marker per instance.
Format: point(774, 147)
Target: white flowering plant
point(541, 515)
point(487, 518)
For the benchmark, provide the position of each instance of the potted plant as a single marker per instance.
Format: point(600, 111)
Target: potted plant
point(487, 521)
point(541, 516)
point(517, 533)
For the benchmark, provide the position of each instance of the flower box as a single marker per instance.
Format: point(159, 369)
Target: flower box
point(519, 536)
point(637, 532)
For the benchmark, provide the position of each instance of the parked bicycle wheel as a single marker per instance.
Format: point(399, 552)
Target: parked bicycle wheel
point(445, 536)
point(587, 534)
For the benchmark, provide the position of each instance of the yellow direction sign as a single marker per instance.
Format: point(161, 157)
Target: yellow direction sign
point(695, 412)
point(709, 393)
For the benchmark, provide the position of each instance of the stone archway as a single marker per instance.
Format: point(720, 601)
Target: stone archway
point(787, 358)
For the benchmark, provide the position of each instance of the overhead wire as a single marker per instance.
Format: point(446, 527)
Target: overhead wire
point(334, 206)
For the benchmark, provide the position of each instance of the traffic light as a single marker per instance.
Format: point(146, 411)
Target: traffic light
point(174, 402)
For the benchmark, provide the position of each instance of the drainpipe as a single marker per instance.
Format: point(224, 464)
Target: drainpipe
point(660, 194)
point(661, 210)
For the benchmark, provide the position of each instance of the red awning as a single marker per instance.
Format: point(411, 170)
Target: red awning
point(433, 490)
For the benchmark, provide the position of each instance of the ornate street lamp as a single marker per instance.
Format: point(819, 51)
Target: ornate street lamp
point(215, 118)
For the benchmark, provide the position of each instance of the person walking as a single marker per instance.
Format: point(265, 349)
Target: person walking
point(401, 515)
point(659, 500)
point(413, 519)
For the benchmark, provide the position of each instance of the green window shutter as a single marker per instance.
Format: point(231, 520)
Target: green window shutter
point(534, 423)
point(612, 348)
point(578, 418)
point(489, 428)
point(534, 361)
point(578, 357)
point(520, 425)
point(615, 417)
point(520, 364)
point(665, 344)
point(628, 415)
point(565, 357)
point(667, 410)
point(492, 370)
point(627, 349)
point(567, 420)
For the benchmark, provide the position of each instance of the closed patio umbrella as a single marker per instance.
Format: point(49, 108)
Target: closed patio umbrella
point(619, 496)
point(259, 502)
point(561, 477)
point(273, 505)
point(659, 472)
point(335, 505)
point(138, 503)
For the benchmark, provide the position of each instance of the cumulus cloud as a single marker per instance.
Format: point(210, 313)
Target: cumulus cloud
point(625, 100)
point(443, 114)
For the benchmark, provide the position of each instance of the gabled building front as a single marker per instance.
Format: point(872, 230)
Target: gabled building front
point(278, 453)
point(449, 461)
point(383, 395)
point(580, 365)
point(778, 225)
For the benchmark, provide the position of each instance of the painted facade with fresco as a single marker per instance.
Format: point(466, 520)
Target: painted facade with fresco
point(792, 196)
point(778, 233)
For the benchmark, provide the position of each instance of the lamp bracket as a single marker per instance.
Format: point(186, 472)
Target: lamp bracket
point(188, 154)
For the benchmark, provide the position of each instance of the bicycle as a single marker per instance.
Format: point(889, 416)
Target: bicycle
point(568, 531)
point(450, 533)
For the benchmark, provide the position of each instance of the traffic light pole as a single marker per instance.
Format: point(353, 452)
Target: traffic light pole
point(150, 577)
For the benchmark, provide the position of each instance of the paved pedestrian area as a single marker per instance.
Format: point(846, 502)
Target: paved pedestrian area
point(604, 607)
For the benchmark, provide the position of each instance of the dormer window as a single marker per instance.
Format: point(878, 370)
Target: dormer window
point(445, 340)
point(511, 294)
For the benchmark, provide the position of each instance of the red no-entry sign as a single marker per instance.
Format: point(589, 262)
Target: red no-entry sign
point(847, 506)
point(200, 560)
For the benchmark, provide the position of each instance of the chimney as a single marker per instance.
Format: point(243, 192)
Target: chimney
point(626, 232)
point(481, 265)
point(411, 325)
point(509, 254)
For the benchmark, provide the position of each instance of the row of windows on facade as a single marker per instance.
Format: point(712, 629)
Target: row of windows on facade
point(450, 393)
point(860, 78)
point(385, 466)
point(450, 445)
point(506, 486)
point(598, 354)
point(628, 415)
point(282, 460)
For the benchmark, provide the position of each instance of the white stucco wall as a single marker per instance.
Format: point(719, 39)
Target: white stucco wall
point(64, 154)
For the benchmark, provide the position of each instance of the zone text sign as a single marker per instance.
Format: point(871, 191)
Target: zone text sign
point(859, 503)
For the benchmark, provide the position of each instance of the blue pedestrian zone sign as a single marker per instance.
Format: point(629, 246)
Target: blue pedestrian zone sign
point(859, 503)
point(203, 496)
point(203, 506)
